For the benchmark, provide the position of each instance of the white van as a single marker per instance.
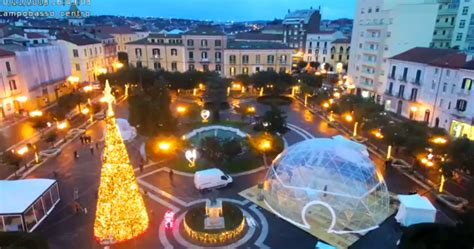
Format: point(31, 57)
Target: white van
point(211, 178)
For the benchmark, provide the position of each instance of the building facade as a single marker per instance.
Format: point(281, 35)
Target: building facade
point(433, 86)
point(11, 98)
point(320, 47)
point(243, 57)
point(297, 25)
point(382, 29)
point(86, 56)
point(204, 48)
point(158, 52)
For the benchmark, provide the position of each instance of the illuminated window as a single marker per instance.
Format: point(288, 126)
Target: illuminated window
point(466, 84)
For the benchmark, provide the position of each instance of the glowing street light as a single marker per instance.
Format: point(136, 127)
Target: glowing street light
point(62, 125)
point(117, 65)
point(21, 151)
point(36, 113)
point(251, 109)
point(22, 99)
point(337, 95)
point(349, 118)
point(164, 146)
point(181, 109)
point(439, 140)
point(326, 105)
point(87, 88)
point(85, 111)
point(73, 79)
point(354, 133)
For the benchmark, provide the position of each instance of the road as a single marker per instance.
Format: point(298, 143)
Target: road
point(65, 229)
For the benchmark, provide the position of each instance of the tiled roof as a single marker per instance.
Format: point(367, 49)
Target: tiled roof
point(450, 58)
point(80, 40)
point(256, 45)
point(158, 35)
point(6, 53)
point(34, 35)
point(469, 65)
point(259, 37)
point(205, 30)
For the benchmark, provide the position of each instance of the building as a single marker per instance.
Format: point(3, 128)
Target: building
point(382, 29)
point(110, 49)
point(297, 25)
point(10, 90)
point(454, 25)
point(244, 57)
point(86, 56)
point(340, 51)
point(158, 52)
point(204, 48)
point(320, 47)
point(41, 73)
point(122, 34)
point(433, 86)
point(263, 37)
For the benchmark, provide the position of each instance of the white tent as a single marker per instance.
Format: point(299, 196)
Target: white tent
point(415, 209)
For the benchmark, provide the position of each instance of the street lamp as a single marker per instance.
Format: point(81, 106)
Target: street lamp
point(439, 140)
point(164, 146)
point(21, 151)
point(354, 133)
point(181, 109)
point(62, 125)
point(325, 105)
point(265, 145)
point(349, 118)
point(36, 113)
point(251, 109)
point(87, 88)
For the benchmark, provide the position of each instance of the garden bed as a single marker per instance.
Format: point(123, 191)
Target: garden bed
point(274, 100)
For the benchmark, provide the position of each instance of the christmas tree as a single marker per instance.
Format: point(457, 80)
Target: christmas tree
point(121, 214)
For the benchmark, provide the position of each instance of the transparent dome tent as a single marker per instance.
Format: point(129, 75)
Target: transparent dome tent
point(327, 182)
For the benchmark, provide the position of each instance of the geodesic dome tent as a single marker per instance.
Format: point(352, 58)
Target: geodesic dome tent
point(327, 182)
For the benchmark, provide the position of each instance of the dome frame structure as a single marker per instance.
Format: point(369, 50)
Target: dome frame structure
point(331, 174)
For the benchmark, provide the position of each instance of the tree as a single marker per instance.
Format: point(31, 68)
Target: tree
point(311, 80)
point(210, 148)
point(39, 123)
point(301, 65)
point(215, 97)
point(231, 148)
point(460, 156)
point(272, 121)
point(431, 236)
point(314, 64)
point(68, 102)
point(243, 79)
point(23, 240)
point(13, 159)
point(150, 111)
point(51, 137)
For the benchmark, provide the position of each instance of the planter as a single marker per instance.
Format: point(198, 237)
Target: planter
point(454, 202)
point(50, 152)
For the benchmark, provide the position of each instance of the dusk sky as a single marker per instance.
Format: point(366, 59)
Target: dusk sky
point(219, 10)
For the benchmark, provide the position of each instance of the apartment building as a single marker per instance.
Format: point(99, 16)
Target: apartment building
point(38, 77)
point(382, 29)
point(433, 86)
point(297, 24)
point(158, 52)
point(11, 100)
point(454, 26)
point(204, 48)
point(86, 56)
point(110, 49)
point(246, 57)
point(320, 47)
point(340, 51)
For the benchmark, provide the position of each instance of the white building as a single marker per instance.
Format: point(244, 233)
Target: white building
point(433, 86)
point(10, 90)
point(382, 29)
point(319, 45)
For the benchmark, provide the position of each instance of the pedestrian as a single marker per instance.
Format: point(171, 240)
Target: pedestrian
point(141, 167)
point(92, 149)
point(97, 145)
point(76, 155)
point(171, 173)
point(82, 139)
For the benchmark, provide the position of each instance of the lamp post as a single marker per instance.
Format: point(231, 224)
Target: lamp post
point(265, 145)
point(354, 133)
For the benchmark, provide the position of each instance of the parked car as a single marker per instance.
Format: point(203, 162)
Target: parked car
point(211, 178)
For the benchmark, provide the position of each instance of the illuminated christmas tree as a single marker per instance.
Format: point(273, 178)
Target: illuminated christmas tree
point(121, 214)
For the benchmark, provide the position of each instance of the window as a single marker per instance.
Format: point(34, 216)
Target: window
point(232, 59)
point(461, 105)
point(441, 103)
point(95, 51)
point(462, 23)
point(7, 64)
point(445, 86)
point(78, 67)
point(390, 88)
point(282, 69)
point(191, 55)
point(218, 56)
point(190, 43)
point(401, 91)
point(418, 76)
point(466, 84)
point(204, 55)
point(257, 69)
point(217, 43)
point(203, 43)
point(138, 52)
point(427, 116)
point(452, 88)
point(257, 59)
point(405, 73)
point(270, 59)
point(459, 37)
point(139, 64)
point(205, 68)
point(269, 69)
point(465, 10)
point(245, 70)
point(218, 67)
point(414, 93)
point(30, 219)
point(232, 71)
point(245, 59)
point(156, 52)
point(75, 53)
point(394, 69)
point(157, 66)
point(174, 51)
point(12, 85)
point(174, 66)
point(191, 67)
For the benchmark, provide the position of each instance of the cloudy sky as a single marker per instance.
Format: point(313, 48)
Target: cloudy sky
point(220, 10)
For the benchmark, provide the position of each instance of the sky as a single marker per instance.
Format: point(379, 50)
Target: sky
point(217, 10)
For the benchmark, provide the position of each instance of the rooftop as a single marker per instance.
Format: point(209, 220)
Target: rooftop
point(34, 35)
point(17, 196)
point(206, 30)
point(79, 40)
point(449, 58)
point(259, 37)
point(6, 53)
point(256, 45)
point(299, 15)
point(344, 40)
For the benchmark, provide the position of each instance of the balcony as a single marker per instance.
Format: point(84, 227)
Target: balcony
point(402, 79)
point(415, 81)
point(204, 60)
point(391, 76)
point(451, 10)
point(156, 57)
point(11, 74)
